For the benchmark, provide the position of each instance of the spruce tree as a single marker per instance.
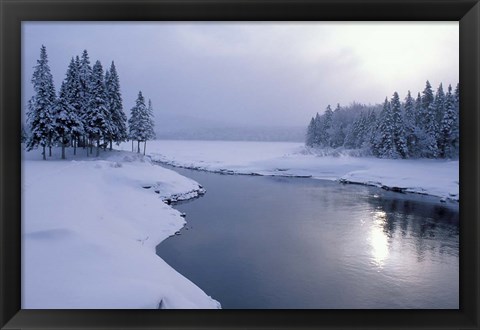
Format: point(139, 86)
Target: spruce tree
point(427, 96)
point(384, 142)
point(310, 136)
point(449, 137)
point(326, 127)
point(398, 128)
point(149, 126)
point(336, 132)
point(73, 96)
point(439, 103)
point(67, 122)
point(318, 133)
point(85, 76)
point(409, 120)
point(136, 120)
point(115, 106)
point(97, 114)
point(41, 112)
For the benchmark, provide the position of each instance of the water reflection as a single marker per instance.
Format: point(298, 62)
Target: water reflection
point(378, 239)
point(423, 222)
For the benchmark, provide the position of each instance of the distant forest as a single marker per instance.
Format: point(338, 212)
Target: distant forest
point(88, 109)
point(424, 127)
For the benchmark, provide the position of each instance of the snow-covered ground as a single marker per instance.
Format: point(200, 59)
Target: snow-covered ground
point(425, 176)
point(89, 231)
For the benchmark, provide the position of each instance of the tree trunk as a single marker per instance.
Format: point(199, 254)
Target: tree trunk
point(43, 154)
point(132, 145)
point(98, 147)
point(91, 145)
point(50, 151)
point(138, 146)
point(144, 147)
point(75, 146)
point(110, 145)
point(63, 148)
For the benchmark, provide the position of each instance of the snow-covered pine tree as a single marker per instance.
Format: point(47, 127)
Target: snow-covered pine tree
point(85, 75)
point(449, 137)
point(457, 102)
point(409, 119)
point(115, 106)
point(419, 113)
point(370, 127)
point(97, 114)
point(149, 126)
point(384, 144)
point(430, 124)
point(351, 136)
point(310, 135)
point(41, 112)
point(326, 127)
point(67, 122)
point(439, 104)
point(431, 129)
point(336, 132)
point(73, 96)
point(399, 139)
point(427, 96)
point(318, 139)
point(135, 122)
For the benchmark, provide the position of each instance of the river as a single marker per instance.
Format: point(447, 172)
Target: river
point(274, 242)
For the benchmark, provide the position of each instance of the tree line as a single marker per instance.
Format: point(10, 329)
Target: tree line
point(88, 109)
point(424, 127)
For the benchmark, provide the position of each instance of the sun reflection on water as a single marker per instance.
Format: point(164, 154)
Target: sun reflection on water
point(378, 239)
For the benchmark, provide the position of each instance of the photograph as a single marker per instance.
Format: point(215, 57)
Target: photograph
point(253, 165)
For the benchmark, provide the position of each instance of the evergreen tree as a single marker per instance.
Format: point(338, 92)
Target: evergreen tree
point(370, 126)
point(115, 106)
point(149, 126)
point(135, 122)
point(431, 132)
point(449, 137)
point(336, 132)
point(318, 133)
point(457, 103)
point(67, 122)
point(85, 76)
point(73, 97)
point(384, 144)
point(409, 120)
point(97, 114)
point(41, 112)
point(310, 136)
point(326, 127)
point(427, 96)
point(399, 139)
point(439, 103)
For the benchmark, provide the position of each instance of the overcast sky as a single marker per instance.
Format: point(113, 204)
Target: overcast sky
point(252, 73)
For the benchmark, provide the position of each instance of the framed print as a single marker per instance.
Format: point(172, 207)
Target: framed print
point(239, 165)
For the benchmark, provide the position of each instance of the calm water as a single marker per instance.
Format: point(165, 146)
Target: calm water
point(270, 242)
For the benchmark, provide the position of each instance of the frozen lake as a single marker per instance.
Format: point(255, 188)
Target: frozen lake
point(276, 242)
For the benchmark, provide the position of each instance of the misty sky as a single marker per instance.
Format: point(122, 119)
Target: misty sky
point(263, 73)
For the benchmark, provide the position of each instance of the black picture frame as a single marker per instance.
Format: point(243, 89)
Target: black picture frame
point(13, 12)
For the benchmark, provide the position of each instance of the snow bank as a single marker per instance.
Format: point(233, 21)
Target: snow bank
point(425, 176)
point(89, 231)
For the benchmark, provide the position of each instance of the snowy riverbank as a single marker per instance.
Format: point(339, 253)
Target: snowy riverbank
point(89, 231)
point(425, 176)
